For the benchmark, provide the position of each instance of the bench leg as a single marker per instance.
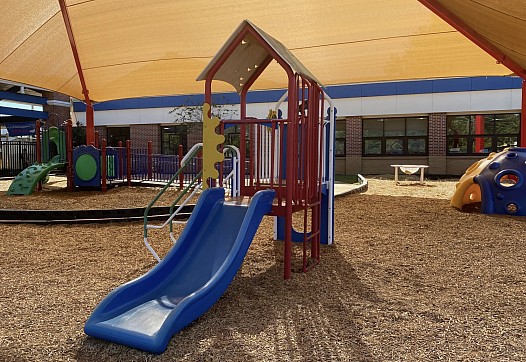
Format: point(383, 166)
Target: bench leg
point(396, 175)
point(421, 175)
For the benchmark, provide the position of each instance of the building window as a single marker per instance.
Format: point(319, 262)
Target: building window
point(482, 134)
point(116, 134)
point(339, 140)
point(233, 137)
point(171, 138)
point(395, 136)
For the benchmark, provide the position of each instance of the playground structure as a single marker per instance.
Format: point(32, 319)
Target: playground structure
point(285, 166)
point(497, 182)
point(86, 166)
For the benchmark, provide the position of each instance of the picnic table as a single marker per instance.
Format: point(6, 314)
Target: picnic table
point(410, 169)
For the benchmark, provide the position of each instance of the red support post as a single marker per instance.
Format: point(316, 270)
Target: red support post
point(243, 143)
point(128, 162)
point(69, 153)
point(39, 150)
point(290, 171)
point(90, 125)
point(121, 162)
point(181, 175)
point(479, 131)
point(90, 122)
point(445, 14)
point(103, 165)
point(150, 152)
point(96, 139)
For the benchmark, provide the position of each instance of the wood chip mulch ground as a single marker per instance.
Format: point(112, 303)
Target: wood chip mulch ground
point(408, 279)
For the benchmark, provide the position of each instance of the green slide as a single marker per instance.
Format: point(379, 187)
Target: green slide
point(25, 182)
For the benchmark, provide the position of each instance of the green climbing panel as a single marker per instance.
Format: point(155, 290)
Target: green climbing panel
point(25, 182)
point(58, 137)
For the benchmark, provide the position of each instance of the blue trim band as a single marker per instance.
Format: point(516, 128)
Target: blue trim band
point(23, 113)
point(22, 98)
point(335, 92)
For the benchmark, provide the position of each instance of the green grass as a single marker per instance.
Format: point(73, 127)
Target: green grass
point(348, 179)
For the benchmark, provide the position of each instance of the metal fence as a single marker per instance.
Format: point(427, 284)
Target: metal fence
point(159, 168)
point(16, 156)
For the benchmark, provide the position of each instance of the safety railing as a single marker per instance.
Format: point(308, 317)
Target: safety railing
point(191, 154)
point(232, 180)
point(16, 156)
point(150, 167)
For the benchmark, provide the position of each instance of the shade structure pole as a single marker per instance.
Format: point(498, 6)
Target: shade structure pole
point(90, 125)
point(440, 10)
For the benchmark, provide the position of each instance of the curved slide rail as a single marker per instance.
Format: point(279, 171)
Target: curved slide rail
point(146, 312)
point(25, 182)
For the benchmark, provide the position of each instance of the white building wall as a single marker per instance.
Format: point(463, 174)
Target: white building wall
point(386, 106)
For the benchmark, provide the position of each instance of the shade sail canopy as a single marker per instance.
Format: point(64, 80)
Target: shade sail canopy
point(135, 48)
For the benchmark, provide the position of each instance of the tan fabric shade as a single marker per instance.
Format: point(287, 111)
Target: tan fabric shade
point(135, 48)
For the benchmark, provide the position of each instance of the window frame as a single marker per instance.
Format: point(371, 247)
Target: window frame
point(116, 134)
point(405, 139)
point(181, 131)
point(471, 137)
point(340, 125)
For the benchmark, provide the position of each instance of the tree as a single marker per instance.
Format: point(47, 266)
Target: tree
point(191, 112)
point(78, 133)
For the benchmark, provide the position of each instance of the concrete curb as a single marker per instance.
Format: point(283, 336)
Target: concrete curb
point(354, 189)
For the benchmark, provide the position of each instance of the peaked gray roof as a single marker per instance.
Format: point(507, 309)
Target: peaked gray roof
point(240, 65)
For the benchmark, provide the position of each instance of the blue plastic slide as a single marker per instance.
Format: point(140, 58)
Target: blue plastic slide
point(146, 312)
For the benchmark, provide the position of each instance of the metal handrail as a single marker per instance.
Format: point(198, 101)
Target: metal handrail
point(234, 174)
point(184, 162)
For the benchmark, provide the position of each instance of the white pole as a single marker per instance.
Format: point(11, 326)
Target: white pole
point(330, 186)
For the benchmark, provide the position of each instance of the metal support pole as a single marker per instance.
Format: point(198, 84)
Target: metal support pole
point(181, 175)
point(128, 162)
point(440, 10)
point(150, 152)
point(69, 153)
point(290, 170)
point(90, 125)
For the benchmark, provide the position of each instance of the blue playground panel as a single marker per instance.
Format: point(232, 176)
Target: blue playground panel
point(496, 194)
point(87, 166)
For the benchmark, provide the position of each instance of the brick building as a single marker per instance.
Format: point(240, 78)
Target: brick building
point(445, 123)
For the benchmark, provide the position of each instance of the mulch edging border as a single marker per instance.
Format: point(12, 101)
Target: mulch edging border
point(46, 217)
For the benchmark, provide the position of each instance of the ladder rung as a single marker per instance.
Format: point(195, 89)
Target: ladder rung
point(312, 235)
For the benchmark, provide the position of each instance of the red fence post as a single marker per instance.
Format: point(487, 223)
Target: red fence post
point(96, 139)
point(150, 152)
point(181, 175)
point(69, 153)
point(103, 164)
point(128, 162)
